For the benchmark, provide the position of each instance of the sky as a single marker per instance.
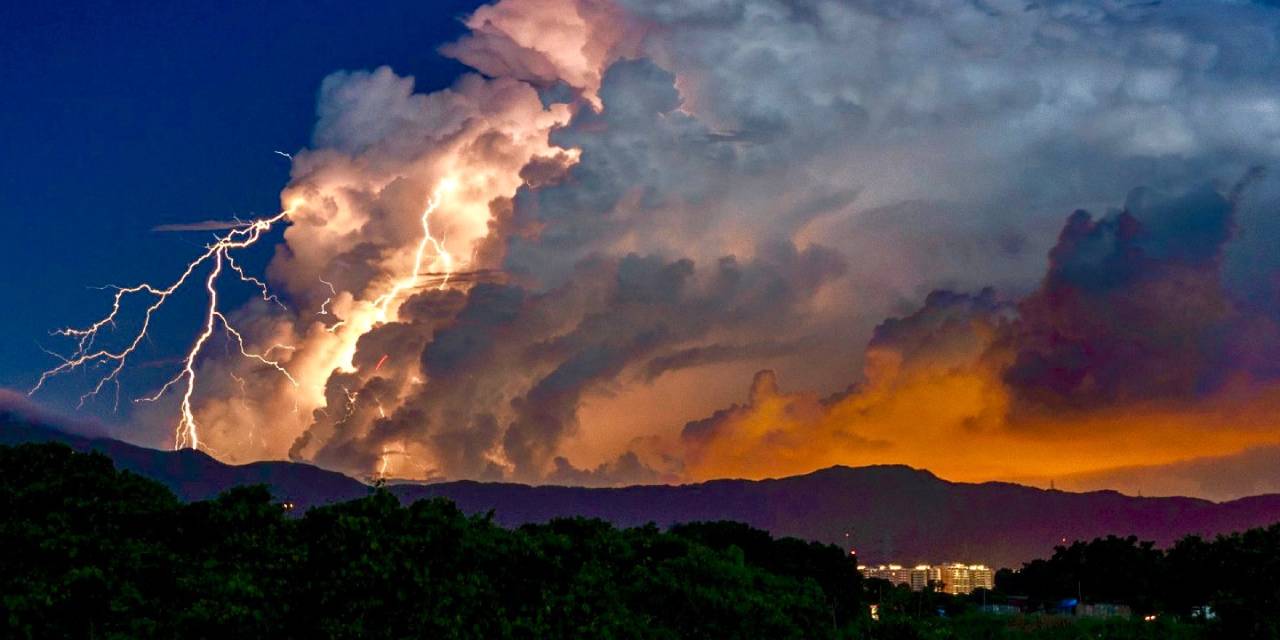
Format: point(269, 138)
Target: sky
point(609, 242)
point(119, 117)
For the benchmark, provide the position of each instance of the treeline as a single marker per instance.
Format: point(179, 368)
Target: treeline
point(1234, 579)
point(87, 551)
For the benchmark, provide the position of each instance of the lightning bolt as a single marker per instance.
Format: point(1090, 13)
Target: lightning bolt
point(352, 397)
point(383, 302)
point(267, 296)
point(244, 395)
point(384, 460)
point(219, 255)
point(324, 306)
point(219, 260)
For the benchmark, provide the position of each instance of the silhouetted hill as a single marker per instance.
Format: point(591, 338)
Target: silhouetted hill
point(891, 513)
point(194, 475)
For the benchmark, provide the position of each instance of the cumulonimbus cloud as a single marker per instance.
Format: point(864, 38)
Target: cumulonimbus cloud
point(645, 203)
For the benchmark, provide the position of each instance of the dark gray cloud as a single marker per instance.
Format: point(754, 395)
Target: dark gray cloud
point(706, 354)
point(1134, 307)
point(506, 373)
point(732, 181)
point(627, 469)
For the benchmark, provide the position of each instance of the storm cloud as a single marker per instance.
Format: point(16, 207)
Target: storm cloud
point(1133, 332)
point(569, 265)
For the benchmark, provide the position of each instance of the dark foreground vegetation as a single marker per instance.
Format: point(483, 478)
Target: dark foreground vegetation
point(87, 551)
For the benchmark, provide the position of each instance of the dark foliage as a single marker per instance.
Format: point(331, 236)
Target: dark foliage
point(92, 552)
point(1233, 579)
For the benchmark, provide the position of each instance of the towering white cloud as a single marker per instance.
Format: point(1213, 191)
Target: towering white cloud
point(640, 203)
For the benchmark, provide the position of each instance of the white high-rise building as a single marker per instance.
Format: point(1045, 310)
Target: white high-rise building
point(896, 574)
point(955, 578)
point(924, 574)
point(959, 578)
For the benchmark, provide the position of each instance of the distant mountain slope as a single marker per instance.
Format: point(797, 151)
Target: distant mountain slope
point(892, 513)
point(194, 475)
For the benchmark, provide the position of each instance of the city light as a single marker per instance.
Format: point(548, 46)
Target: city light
point(956, 578)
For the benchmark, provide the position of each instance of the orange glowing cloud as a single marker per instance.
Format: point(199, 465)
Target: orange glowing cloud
point(1130, 354)
point(954, 420)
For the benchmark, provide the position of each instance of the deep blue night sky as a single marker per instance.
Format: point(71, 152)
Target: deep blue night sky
point(117, 117)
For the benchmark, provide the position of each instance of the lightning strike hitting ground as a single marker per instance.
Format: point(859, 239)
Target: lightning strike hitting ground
point(217, 257)
point(219, 253)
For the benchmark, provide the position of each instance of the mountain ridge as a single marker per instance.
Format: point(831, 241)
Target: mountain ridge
point(888, 512)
